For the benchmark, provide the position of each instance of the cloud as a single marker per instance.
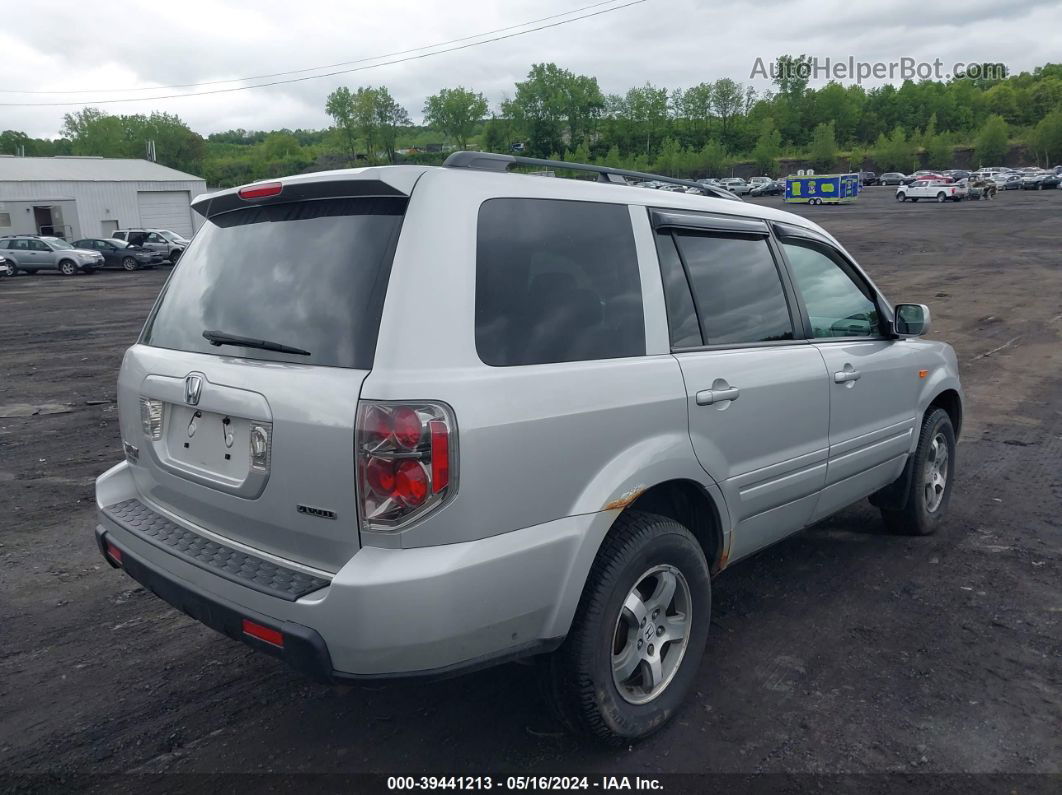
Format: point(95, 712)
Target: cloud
point(670, 43)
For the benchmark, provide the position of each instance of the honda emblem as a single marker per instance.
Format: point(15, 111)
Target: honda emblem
point(193, 385)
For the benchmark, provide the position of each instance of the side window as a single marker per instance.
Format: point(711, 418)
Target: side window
point(736, 287)
point(681, 313)
point(838, 304)
point(37, 245)
point(153, 238)
point(556, 281)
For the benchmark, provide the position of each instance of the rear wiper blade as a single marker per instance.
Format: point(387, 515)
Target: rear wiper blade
point(221, 338)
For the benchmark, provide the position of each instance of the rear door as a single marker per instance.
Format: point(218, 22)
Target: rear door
point(252, 444)
point(757, 393)
point(874, 379)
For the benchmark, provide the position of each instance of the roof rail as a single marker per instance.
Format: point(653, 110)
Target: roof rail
point(491, 161)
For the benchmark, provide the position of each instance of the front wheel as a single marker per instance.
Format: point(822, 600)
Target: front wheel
point(130, 264)
point(639, 633)
point(67, 268)
point(931, 479)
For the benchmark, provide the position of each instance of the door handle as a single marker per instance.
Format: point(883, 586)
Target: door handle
point(844, 376)
point(707, 397)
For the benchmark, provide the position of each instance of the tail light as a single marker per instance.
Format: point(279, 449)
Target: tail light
point(407, 461)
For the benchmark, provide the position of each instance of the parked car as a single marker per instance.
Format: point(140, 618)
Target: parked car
point(7, 267)
point(120, 254)
point(1008, 181)
point(32, 253)
point(892, 178)
point(1044, 179)
point(868, 178)
point(326, 455)
point(736, 185)
point(957, 173)
point(754, 181)
point(935, 189)
point(773, 187)
point(169, 244)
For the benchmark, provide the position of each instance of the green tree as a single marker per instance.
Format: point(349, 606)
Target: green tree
point(554, 107)
point(823, 149)
point(1046, 139)
point(939, 152)
point(455, 111)
point(992, 141)
point(768, 148)
point(93, 132)
point(496, 135)
point(340, 106)
point(895, 152)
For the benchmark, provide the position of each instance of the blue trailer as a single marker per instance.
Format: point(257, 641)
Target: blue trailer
point(822, 189)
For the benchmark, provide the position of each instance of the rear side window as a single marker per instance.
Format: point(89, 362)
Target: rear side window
point(556, 281)
point(309, 275)
point(736, 288)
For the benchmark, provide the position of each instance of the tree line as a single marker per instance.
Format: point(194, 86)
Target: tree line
point(699, 130)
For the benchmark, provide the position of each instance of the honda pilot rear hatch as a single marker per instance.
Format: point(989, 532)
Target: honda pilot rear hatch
point(242, 391)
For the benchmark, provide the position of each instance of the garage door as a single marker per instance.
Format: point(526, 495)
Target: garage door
point(166, 209)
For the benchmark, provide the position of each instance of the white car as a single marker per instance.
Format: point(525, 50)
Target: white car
point(929, 189)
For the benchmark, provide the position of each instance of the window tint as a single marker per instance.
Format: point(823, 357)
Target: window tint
point(836, 304)
point(736, 287)
point(309, 275)
point(681, 314)
point(556, 281)
point(37, 245)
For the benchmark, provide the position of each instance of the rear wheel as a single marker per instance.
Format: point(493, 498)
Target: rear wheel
point(901, 197)
point(67, 267)
point(942, 197)
point(129, 264)
point(638, 637)
point(9, 269)
point(932, 476)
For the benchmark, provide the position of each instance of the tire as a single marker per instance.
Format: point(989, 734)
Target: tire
point(175, 255)
point(642, 553)
point(130, 264)
point(68, 268)
point(942, 197)
point(9, 270)
point(927, 499)
point(901, 197)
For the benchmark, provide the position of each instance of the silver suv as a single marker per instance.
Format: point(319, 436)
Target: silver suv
point(162, 241)
point(31, 253)
point(414, 420)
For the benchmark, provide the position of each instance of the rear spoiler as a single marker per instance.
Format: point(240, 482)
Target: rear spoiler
point(384, 182)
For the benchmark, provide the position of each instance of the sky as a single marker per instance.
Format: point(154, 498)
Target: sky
point(98, 48)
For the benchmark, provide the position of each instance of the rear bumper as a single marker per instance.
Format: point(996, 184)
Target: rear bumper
point(428, 611)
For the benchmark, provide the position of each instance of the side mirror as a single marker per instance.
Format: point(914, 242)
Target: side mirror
point(911, 320)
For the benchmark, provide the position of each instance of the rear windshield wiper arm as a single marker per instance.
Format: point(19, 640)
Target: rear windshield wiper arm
point(221, 338)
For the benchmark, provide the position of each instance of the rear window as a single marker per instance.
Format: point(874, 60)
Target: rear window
point(309, 275)
point(556, 281)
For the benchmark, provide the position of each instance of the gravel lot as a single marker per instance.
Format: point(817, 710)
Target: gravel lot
point(842, 649)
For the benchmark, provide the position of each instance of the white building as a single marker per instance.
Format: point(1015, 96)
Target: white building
point(76, 197)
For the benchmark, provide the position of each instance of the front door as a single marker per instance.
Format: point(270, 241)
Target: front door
point(758, 397)
point(873, 379)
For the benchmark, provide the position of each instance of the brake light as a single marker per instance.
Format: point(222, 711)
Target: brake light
point(261, 191)
point(404, 453)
